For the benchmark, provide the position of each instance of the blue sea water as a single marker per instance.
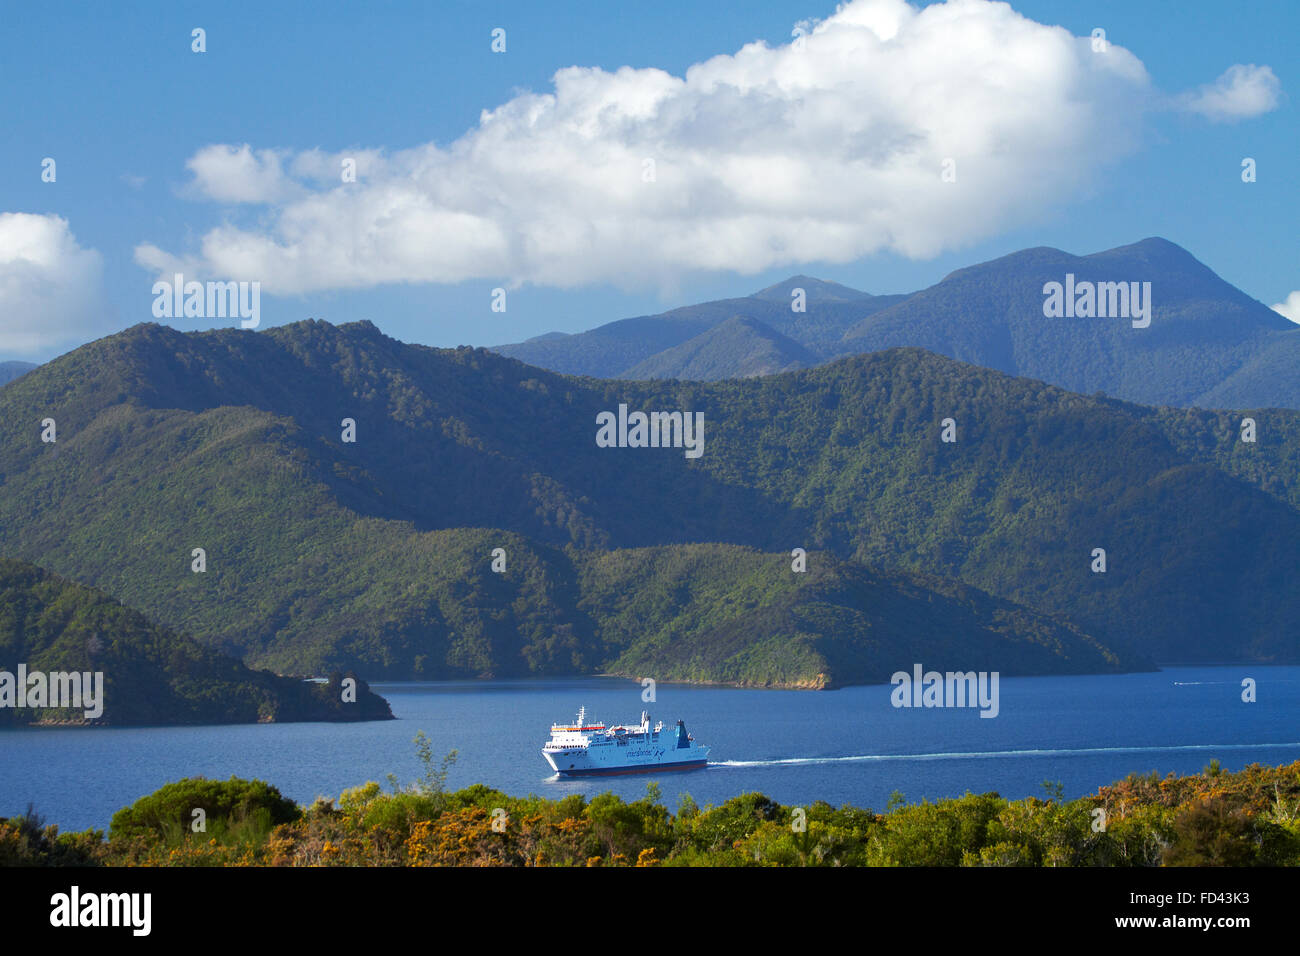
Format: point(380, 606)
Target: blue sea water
point(843, 746)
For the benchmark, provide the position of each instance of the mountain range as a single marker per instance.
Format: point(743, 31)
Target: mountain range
point(377, 554)
point(1208, 344)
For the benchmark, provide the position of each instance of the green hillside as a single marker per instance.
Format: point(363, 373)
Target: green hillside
point(150, 674)
point(376, 554)
point(721, 614)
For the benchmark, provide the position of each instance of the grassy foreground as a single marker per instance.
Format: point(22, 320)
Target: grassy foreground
point(1215, 818)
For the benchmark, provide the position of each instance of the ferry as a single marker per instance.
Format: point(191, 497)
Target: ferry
point(584, 750)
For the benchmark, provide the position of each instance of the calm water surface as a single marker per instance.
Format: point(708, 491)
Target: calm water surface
point(841, 746)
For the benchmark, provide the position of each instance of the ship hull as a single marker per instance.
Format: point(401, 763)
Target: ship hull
point(645, 768)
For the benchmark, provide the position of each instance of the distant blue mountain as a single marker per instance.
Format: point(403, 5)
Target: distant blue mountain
point(738, 348)
point(11, 370)
point(1208, 343)
point(623, 349)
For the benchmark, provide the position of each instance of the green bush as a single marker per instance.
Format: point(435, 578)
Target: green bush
point(168, 813)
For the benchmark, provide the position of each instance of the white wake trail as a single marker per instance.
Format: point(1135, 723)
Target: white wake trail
point(989, 754)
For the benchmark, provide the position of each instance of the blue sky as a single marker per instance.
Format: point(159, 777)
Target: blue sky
point(116, 96)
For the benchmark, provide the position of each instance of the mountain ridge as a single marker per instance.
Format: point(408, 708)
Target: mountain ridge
point(740, 347)
point(1208, 344)
point(377, 553)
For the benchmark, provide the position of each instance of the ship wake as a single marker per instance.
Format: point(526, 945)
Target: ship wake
point(993, 754)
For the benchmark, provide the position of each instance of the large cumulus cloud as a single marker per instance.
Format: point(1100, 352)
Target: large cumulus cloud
point(824, 149)
point(50, 287)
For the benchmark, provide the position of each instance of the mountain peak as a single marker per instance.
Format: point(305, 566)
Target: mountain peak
point(816, 290)
point(1156, 252)
point(1157, 242)
point(1154, 255)
point(323, 330)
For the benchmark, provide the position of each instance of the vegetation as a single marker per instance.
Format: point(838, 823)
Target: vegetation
point(376, 555)
point(722, 614)
point(1249, 818)
point(150, 674)
point(199, 805)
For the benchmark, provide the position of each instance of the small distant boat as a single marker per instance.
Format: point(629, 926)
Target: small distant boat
point(584, 750)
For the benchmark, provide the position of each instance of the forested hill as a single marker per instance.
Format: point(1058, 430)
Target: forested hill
point(150, 675)
point(377, 553)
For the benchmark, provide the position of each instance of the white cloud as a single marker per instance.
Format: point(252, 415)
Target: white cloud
point(1240, 93)
point(1290, 308)
point(50, 287)
point(236, 174)
point(773, 156)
